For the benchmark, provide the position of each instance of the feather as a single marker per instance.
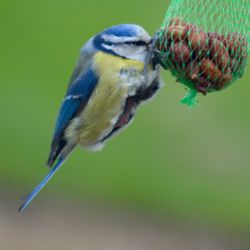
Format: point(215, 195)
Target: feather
point(77, 96)
point(39, 187)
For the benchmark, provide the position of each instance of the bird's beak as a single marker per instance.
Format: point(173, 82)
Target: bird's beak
point(156, 54)
point(149, 44)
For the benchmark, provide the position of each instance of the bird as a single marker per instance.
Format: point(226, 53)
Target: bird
point(114, 74)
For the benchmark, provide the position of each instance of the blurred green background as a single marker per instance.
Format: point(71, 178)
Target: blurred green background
point(173, 161)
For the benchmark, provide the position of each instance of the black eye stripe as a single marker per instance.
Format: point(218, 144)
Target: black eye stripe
point(137, 43)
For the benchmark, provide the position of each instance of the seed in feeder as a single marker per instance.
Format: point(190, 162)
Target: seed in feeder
point(198, 41)
point(202, 85)
point(210, 70)
point(176, 33)
point(225, 79)
point(234, 65)
point(179, 52)
point(218, 53)
point(192, 71)
point(236, 44)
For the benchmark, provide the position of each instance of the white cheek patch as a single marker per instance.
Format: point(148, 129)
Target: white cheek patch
point(137, 53)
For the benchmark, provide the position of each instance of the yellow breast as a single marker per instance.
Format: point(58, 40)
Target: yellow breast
point(106, 102)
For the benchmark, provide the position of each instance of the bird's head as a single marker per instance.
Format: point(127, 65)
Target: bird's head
point(126, 40)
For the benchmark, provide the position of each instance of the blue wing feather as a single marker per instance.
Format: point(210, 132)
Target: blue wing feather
point(78, 94)
point(76, 98)
point(67, 112)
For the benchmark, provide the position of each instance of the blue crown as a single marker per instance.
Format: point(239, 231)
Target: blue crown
point(123, 30)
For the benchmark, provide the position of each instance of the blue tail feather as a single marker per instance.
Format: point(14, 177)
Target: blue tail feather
point(34, 193)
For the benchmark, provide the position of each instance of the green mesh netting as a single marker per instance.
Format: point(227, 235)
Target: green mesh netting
point(205, 43)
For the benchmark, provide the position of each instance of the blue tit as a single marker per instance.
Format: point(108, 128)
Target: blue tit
point(111, 79)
